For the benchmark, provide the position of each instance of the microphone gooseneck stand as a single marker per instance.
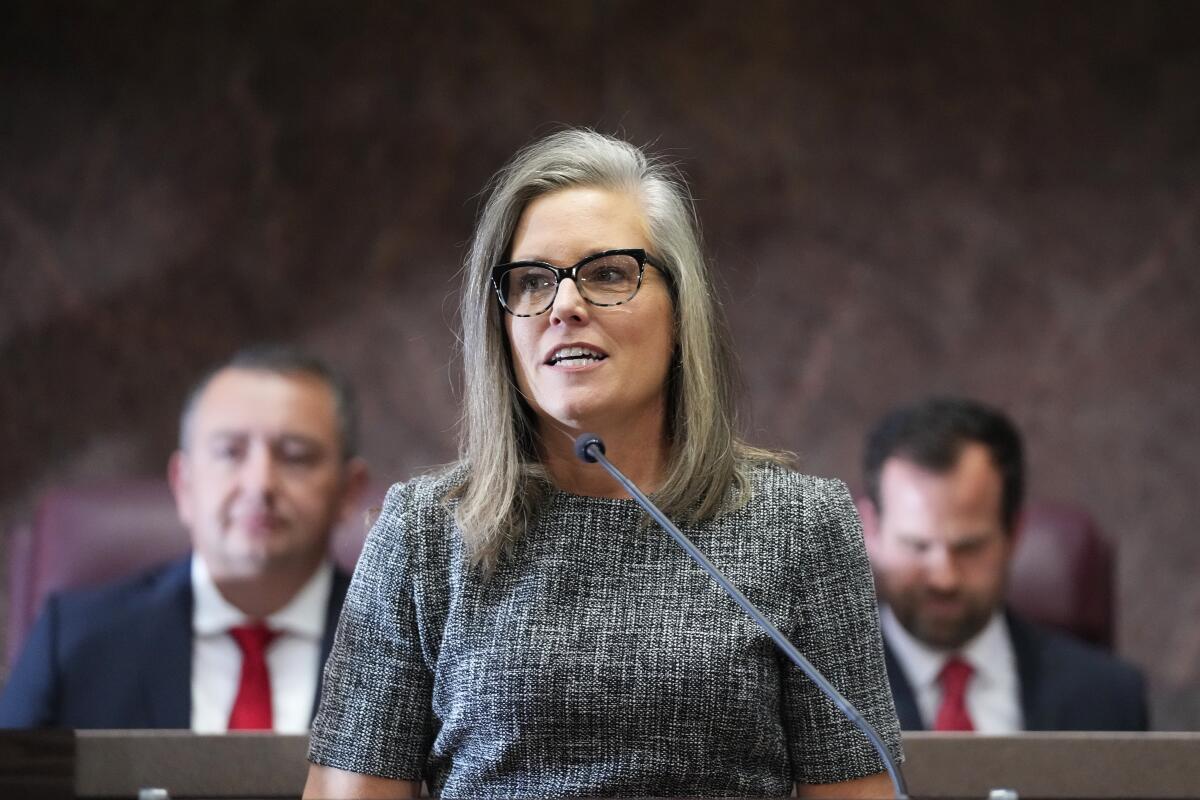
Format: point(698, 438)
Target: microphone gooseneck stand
point(590, 448)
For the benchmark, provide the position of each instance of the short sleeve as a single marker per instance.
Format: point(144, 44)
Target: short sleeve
point(839, 634)
point(375, 715)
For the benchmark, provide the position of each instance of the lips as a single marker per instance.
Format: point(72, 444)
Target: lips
point(575, 355)
point(258, 522)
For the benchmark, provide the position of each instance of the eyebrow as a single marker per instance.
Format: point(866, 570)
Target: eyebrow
point(969, 539)
point(591, 252)
point(285, 436)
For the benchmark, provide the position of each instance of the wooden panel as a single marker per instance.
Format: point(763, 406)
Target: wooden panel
point(37, 765)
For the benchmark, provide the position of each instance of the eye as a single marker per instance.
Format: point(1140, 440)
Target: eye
point(607, 274)
point(530, 280)
point(971, 547)
point(617, 270)
point(298, 452)
point(228, 448)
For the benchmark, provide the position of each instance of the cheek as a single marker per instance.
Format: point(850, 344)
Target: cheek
point(214, 491)
point(659, 337)
point(521, 346)
point(902, 571)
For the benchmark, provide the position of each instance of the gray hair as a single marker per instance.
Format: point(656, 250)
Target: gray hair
point(282, 359)
point(505, 483)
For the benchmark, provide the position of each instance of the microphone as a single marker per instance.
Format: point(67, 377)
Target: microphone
point(590, 448)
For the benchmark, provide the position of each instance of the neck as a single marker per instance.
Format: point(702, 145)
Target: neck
point(260, 595)
point(639, 451)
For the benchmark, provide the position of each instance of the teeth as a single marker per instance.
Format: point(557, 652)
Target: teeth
point(575, 352)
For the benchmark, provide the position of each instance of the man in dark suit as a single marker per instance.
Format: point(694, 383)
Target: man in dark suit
point(234, 636)
point(945, 480)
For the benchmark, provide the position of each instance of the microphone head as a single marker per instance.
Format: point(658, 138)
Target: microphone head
point(583, 444)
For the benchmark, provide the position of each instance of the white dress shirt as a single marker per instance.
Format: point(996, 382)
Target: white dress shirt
point(293, 658)
point(994, 691)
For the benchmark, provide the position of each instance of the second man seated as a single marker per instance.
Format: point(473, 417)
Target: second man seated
point(233, 636)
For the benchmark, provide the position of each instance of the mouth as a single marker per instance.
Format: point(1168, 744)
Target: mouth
point(945, 606)
point(576, 356)
point(258, 523)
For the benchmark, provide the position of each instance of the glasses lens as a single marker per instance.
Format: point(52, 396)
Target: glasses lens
point(610, 280)
point(528, 290)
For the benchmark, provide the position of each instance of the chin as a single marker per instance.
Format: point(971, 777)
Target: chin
point(951, 634)
point(576, 415)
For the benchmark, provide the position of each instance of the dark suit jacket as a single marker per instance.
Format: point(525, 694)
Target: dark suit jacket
point(1066, 685)
point(119, 656)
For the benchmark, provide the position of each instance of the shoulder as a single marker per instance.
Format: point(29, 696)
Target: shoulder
point(116, 605)
point(426, 491)
point(1060, 654)
point(415, 523)
point(816, 515)
point(160, 582)
point(775, 485)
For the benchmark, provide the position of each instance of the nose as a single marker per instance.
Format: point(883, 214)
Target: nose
point(941, 569)
point(259, 472)
point(569, 306)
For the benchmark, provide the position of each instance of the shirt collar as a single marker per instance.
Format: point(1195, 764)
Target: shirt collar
point(989, 652)
point(304, 614)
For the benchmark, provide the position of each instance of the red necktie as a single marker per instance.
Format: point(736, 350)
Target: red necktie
point(952, 715)
point(252, 708)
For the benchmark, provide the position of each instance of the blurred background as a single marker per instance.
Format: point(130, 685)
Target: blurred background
point(993, 198)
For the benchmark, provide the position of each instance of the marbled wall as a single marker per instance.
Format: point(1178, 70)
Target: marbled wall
point(995, 198)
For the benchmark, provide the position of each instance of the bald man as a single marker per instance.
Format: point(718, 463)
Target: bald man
point(232, 637)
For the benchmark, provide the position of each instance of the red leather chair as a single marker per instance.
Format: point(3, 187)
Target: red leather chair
point(91, 534)
point(1063, 572)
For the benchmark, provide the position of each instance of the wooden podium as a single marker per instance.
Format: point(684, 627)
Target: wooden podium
point(1058, 766)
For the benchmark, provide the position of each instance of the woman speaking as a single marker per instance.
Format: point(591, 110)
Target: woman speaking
point(516, 627)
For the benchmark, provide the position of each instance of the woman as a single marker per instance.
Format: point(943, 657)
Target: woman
point(515, 628)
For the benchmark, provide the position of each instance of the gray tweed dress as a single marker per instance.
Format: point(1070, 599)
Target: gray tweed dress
point(599, 660)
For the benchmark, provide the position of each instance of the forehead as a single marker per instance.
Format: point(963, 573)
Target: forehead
point(257, 401)
point(567, 224)
point(967, 496)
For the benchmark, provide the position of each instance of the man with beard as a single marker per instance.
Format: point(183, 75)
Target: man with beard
point(944, 480)
point(232, 637)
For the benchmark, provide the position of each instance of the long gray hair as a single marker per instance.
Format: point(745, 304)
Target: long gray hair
point(505, 481)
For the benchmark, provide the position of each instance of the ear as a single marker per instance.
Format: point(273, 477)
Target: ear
point(869, 514)
point(180, 479)
point(355, 479)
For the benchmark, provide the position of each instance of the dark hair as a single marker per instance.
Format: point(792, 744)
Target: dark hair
point(283, 359)
point(932, 433)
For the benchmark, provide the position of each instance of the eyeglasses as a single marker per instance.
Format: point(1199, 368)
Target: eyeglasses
point(610, 278)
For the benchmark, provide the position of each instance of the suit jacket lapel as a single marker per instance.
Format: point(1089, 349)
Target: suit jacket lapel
point(1029, 674)
point(337, 595)
point(166, 646)
point(902, 693)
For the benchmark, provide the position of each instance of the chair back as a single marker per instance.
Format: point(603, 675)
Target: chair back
point(1062, 572)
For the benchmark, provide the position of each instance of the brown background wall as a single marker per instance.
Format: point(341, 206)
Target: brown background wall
point(995, 198)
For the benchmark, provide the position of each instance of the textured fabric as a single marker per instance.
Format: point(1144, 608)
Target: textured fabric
point(952, 713)
point(599, 660)
point(252, 705)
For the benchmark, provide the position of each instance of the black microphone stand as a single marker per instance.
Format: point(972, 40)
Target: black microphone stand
point(590, 448)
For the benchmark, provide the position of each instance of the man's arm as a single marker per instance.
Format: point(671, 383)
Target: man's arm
point(30, 698)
